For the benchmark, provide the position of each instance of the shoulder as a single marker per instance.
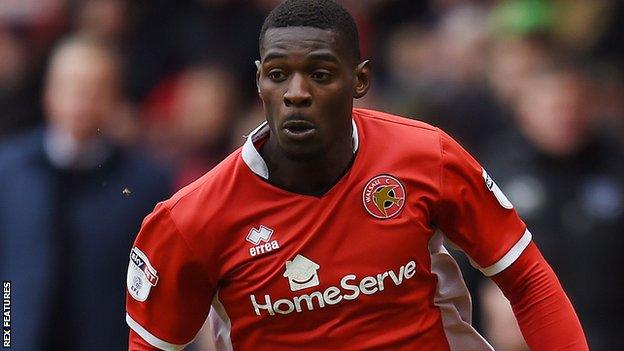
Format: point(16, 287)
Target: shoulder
point(409, 136)
point(415, 145)
point(193, 214)
point(213, 178)
point(416, 134)
point(387, 120)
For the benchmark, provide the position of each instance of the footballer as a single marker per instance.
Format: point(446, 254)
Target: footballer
point(325, 230)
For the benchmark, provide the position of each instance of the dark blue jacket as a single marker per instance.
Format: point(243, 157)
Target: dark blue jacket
point(65, 238)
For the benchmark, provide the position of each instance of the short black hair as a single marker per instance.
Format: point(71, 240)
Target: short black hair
point(322, 14)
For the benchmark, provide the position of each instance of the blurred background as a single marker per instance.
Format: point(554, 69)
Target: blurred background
point(108, 106)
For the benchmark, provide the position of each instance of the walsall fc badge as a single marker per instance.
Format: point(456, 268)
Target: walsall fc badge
point(383, 196)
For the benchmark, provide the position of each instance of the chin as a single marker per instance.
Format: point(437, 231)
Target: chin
point(303, 153)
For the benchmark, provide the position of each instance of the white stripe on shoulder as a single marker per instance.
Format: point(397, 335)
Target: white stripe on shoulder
point(151, 339)
point(510, 257)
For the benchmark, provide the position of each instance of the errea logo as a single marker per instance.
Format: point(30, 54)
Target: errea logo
point(259, 236)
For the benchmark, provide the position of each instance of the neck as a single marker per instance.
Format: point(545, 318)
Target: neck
point(310, 176)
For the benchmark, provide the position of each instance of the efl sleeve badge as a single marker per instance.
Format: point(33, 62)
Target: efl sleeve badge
point(141, 275)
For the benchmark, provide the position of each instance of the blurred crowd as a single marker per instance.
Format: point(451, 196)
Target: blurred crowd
point(108, 106)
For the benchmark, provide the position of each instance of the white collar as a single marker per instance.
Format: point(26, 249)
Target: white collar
point(256, 163)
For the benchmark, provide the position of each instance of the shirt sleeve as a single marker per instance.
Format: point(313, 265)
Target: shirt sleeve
point(136, 343)
point(542, 309)
point(168, 289)
point(474, 214)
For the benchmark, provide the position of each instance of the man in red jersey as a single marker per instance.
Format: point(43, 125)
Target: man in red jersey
point(325, 230)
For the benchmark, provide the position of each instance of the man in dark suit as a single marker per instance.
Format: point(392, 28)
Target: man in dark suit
point(71, 201)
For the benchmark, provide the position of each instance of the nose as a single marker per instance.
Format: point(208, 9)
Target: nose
point(297, 94)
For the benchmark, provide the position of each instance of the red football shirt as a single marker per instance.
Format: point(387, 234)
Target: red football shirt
point(362, 267)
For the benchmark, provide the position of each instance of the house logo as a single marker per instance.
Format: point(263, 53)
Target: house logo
point(383, 196)
point(261, 239)
point(301, 273)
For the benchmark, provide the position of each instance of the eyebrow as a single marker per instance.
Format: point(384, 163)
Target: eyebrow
point(323, 57)
point(319, 56)
point(274, 56)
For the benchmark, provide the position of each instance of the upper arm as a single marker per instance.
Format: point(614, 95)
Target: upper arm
point(137, 343)
point(169, 291)
point(474, 214)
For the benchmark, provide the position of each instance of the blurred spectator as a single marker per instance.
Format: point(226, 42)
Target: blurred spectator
point(511, 61)
point(116, 23)
point(206, 107)
point(609, 41)
point(188, 120)
point(28, 29)
point(582, 26)
point(435, 73)
point(567, 182)
point(71, 202)
point(223, 32)
point(106, 20)
point(610, 101)
point(17, 91)
point(40, 22)
point(523, 17)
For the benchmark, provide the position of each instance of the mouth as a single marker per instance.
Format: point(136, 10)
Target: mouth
point(299, 129)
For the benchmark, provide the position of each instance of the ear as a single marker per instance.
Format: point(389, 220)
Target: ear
point(258, 67)
point(362, 79)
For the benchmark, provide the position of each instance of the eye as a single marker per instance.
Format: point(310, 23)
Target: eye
point(321, 76)
point(276, 75)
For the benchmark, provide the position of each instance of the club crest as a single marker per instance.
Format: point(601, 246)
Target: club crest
point(383, 196)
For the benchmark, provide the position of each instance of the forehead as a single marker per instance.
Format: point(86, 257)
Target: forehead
point(302, 41)
point(82, 61)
